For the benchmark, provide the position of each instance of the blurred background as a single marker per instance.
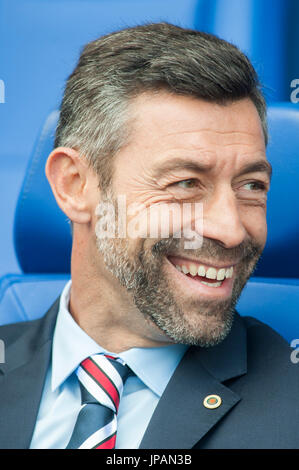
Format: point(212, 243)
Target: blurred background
point(40, 42)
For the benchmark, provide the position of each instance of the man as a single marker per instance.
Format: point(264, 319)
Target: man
point(156, 117)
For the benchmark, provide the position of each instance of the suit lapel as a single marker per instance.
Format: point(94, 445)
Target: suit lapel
point(180, 419)
point(22, 378)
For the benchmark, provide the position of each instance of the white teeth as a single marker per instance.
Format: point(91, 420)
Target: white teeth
point(211, 273)
point(214, 284)
point(229, 272)
point(221, 274)
point(201, 271)
point(193, 269)
point(185, 270)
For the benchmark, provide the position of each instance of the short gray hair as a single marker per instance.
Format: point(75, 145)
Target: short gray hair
point(116, 68)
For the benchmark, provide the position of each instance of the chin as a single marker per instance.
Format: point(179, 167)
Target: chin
point(199, 329)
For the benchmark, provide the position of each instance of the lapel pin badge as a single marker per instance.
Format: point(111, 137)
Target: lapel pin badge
point(212, 401)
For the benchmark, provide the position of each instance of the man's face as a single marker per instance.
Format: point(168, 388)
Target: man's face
point(185, 150)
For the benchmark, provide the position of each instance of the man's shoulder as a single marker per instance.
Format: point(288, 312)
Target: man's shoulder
point(262, 337)
point(11, 332)
point(267, 389)
point(258, 331)
point(269, 354)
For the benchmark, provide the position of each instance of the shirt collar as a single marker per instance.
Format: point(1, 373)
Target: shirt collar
point(71, 345)
point(154, 366)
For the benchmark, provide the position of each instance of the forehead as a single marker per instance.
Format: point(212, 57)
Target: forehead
point(167, 123)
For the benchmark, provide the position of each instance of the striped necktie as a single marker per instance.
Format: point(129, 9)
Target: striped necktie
point(101, 380)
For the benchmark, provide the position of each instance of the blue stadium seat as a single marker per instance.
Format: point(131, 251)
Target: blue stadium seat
point(27, 297)
point(260, 28)
point(49, 40)
point(42, 235)
point(43, 240)
point(274, 301)
point(282, 247)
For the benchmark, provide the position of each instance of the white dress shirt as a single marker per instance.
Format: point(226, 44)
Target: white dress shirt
point(61, 398)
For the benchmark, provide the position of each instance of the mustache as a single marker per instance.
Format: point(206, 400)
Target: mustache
point(210, 249)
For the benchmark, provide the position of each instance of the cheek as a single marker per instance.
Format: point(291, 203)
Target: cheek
point(255, 222)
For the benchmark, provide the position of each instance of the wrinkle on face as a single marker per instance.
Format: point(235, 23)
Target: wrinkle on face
point(154, 142)
point(224, 138)
point(167, 130)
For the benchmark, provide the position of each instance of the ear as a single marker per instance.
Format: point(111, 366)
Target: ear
point(73, 184)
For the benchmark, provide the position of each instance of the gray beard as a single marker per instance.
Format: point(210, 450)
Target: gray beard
point(203, 323)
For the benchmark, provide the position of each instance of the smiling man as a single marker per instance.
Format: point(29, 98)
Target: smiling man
point(144, 346)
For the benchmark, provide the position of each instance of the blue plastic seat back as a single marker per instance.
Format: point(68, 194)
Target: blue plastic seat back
point(27, 297)
point(275, 302)
point(282, 247)
point(260, 28)
point(42, 234)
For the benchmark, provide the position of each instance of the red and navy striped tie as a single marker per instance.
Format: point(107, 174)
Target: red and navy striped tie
point(101, 381)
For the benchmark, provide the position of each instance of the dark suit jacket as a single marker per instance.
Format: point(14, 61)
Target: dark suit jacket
point(250, 370)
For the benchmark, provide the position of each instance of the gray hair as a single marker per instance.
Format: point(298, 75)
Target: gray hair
point(116, 68)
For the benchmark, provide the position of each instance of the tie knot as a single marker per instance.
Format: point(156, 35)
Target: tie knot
point(102, 379)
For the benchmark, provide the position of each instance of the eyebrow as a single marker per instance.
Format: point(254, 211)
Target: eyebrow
point(198, 167)
point(258, 166)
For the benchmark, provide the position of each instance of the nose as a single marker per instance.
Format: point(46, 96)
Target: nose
point(221, 219)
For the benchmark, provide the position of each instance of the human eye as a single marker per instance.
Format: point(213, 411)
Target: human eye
point(190, 183)
point(256, 186)
point(254, 191)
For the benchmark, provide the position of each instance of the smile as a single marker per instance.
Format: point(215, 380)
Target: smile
point(206, 279)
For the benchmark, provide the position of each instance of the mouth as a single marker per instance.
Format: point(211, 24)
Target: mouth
point(201, 278)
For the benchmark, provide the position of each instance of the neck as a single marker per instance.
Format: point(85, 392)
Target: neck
point(105, 310)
